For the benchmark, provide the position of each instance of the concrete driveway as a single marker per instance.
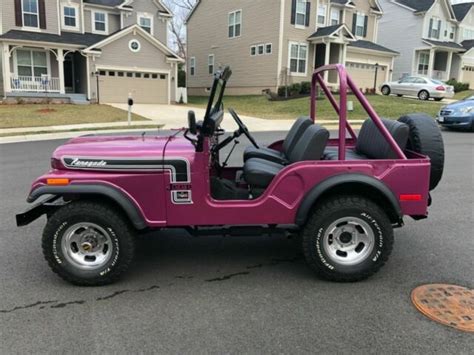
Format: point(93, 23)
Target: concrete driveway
point(175, 116)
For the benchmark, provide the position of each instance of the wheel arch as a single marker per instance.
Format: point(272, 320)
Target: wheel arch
point(360, 184)
point(92, 191)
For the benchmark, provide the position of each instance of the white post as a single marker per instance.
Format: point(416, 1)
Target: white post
point(326, 60)
point(6, 68)
point(448, 65)
point(431, 63)
point(60, 58)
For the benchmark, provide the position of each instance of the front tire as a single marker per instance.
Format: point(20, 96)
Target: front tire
point(347, 239)
point(88, 243)
point(385, 90)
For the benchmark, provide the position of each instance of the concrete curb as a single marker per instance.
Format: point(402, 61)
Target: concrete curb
point(83, 126)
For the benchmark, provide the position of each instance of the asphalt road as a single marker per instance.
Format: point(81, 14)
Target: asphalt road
point(233, 295)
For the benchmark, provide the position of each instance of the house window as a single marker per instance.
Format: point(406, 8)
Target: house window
point(423, 63)
point(30, 13)
point(31, 63)
point(268, 48)
point(70, 17)
point(192, 66)
point(453, 31)
point(360, 25)
point(435, 27)
point(100, 22)
point(335, 17)
point(210, 63)
point(253, 50)
point(298, 58)
point(260, 49)
point(300, 17)
point(235, 23)
point(322, 15)
point(146, 22)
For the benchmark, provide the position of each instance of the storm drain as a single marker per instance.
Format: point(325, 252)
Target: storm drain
point(450, 305)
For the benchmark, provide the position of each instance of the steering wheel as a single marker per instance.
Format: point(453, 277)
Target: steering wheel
point(243, 128)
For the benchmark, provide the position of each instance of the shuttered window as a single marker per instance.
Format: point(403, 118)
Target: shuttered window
point(360, 29)
point(30, 11)
point(435, 28)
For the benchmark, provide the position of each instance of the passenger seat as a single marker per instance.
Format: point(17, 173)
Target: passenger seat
point(259, 173)
point(371, 144)
point(295, 133)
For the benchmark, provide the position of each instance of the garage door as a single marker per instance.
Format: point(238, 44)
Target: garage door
point(364, 74)
point(468, 76)
point(146, 88)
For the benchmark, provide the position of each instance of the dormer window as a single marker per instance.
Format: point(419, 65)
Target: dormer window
point(70, 20)
point(30, 13)
point(99, 22)
point(145, 21)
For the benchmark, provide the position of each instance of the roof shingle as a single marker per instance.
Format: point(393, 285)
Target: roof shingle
point(372, 46)
point(417, 5)
point(443, 43)
point(325, 31)
point(80, 39)
point(461, 10)
point(468, 44)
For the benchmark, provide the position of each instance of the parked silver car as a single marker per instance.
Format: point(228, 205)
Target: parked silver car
point(423, 88)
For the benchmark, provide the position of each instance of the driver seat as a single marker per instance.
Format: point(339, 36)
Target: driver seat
point(259, 173)
point(295, 133)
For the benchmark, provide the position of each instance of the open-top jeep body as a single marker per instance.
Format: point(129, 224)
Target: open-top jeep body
point(342, 196)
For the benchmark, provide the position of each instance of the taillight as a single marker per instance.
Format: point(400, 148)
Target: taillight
point(441, 88)
point(56, 164)
point(410, 197)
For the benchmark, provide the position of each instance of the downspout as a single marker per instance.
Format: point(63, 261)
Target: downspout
point(280, 42)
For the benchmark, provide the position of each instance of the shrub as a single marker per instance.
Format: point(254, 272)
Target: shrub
point(458, 86)
point(295, 89)
point(305, 88)
point(181, 78)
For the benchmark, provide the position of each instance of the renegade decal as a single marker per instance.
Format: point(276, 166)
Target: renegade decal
point(179, 169)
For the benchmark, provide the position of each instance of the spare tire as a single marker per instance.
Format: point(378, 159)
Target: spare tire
point(425, 138)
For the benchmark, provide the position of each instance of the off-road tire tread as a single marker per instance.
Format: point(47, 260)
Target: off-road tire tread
point(334, 204)
point(115, 219)
point(425, 138)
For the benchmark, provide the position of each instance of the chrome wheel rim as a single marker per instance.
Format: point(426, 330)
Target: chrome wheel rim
point(423, 95)
point(385, 91)
point(348, 241)
point(87, 246)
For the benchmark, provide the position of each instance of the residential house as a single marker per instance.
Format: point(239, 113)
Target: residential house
point(463, 65)
point(87, 50)
point(431, 36)
point(271, 43)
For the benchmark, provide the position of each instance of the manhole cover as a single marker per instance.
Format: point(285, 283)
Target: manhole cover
point(446, 304)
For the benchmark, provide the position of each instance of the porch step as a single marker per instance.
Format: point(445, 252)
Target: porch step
point(78, 99)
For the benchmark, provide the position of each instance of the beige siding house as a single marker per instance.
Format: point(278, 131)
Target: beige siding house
point(271, 43)
point(87, 51)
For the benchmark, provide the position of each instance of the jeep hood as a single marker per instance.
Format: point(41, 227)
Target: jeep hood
point(94, 151)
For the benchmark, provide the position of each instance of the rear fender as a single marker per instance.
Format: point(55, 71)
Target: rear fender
point(332, 184)
point(89, 190)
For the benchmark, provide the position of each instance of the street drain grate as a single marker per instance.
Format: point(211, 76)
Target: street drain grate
point(450, 305)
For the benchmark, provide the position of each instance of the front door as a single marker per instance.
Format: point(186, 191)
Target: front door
point(69, 73)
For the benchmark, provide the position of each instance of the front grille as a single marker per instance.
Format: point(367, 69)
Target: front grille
point(445, 112)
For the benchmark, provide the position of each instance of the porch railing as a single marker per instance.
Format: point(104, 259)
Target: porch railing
point(34, 83)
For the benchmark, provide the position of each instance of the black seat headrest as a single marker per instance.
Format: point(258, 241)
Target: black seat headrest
point(311, 145)
point(372, 143)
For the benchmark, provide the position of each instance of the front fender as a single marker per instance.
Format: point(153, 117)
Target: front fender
point(114, 194)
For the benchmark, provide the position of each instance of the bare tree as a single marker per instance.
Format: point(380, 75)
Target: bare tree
point(181, 10)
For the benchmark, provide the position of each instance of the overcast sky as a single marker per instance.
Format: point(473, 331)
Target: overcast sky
point(459, 1)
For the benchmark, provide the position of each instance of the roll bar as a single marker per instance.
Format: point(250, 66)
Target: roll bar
point(345, 83)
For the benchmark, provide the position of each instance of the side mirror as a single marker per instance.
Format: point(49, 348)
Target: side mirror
point(192, 122)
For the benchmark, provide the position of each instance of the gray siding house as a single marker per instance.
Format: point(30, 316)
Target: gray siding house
point(434, 38)
point(270, 43)
point(87, 50)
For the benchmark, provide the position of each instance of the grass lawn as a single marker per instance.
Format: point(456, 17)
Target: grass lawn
point(461, 95)
point(18, 116)
point(259, 106)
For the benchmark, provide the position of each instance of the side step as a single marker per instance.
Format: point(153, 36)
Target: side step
point(243, 231)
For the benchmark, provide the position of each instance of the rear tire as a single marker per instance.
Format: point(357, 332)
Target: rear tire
point(424, 95)
point(385, 90)
point(425, 138)
point(347, 239)
point(88, 243)
point(438, 99)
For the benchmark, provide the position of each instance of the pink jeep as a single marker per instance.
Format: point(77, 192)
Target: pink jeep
point(342, 196)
